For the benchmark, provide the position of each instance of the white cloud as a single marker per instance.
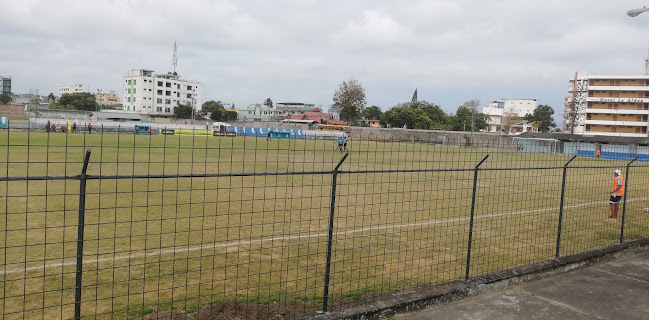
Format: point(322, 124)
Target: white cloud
point(244, 51)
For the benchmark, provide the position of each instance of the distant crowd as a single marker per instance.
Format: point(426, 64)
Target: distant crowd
point(52, 128)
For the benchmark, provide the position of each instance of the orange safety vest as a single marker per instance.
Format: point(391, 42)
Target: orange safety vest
point(621, 191)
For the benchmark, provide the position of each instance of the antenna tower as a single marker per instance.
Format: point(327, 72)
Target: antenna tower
point(175, 58)
point(646, 65)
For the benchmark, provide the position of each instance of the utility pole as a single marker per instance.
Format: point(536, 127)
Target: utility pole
point(472, 122)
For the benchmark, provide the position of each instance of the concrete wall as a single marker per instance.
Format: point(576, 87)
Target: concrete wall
point(7, 110)
point(480, 139)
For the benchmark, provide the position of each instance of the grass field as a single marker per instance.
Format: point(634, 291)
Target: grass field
point(157, 244)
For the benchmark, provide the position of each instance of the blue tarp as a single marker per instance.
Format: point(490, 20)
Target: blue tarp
point(263, 132)
point(613, 155)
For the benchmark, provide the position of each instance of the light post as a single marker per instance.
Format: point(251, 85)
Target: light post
point(635, 12)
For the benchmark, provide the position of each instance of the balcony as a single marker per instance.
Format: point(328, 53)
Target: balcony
point(618, 88)
point(618, 111)
point(617, 123)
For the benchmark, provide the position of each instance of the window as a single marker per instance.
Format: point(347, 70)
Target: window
point(178, 95)
point(168, 84)
point(128, 99)
point(179, 86)
point(189, 88)
point(168, 93)
point(133, 90)
point(159, 100)
point(133, 81)
point(160, 83)
point(189, 96)
point(167, 109)
point(167, 101)
point(133, 99)
point(160, 92)
point(158, 109)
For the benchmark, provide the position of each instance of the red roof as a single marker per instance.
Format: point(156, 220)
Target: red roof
point(318, 117)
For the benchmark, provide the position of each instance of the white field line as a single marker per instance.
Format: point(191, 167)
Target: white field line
point(247, 242)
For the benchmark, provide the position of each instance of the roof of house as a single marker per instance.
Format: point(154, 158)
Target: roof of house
point(317, 116)
point(583, 138)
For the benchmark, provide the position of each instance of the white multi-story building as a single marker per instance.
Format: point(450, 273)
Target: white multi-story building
point(615, 105)
point(509, 114)
point(158, 94)
point(77, 88)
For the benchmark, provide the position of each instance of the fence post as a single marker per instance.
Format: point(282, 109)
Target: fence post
point(334, 182)
point(626, 181)
point(563, 194)
point(80, 227)
point(475, 184)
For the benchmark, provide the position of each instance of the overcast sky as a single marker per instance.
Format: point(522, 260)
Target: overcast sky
point(301, 50)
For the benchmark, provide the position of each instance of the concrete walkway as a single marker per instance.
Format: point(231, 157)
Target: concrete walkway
point(617, 289)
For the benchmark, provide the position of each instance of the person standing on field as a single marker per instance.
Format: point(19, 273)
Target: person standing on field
point(617, 191)
point(89, 128)
point(74, 127)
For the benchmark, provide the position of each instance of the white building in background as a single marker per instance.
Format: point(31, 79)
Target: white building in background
point(77, 88)
point(509, 113)
point(157, 94)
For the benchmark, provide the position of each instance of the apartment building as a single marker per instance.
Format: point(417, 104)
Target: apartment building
point(614, 105)
point(107, 98)
point(157, 94)
point(508, 114)
point(6, 85)
point(77, 88)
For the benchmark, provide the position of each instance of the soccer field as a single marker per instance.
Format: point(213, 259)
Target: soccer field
point(163, 240)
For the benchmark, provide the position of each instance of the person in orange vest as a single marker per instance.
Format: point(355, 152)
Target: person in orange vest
point(617, 191)
point(598, 153)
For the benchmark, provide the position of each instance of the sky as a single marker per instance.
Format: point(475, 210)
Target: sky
point(245, 51)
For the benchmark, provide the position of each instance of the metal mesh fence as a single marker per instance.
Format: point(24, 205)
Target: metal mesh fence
point(245, 227)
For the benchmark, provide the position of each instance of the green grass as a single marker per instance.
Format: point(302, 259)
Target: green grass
point(263, 239)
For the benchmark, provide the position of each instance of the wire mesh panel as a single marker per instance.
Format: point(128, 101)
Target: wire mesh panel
point(162, 226)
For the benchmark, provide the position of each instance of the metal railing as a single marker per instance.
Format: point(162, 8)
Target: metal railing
point(254, 228)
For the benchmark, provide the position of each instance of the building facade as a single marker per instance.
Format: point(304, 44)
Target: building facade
point(507, 115)
point(281, 111)
point(615, 105)
point(157, 94)
point(6, 85)
point(108, 99)
point(77, 88)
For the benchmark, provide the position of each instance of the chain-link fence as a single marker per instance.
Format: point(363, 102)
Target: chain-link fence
point(115, 225)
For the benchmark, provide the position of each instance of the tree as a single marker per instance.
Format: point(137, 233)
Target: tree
point(183, 111)
point(211, 105)
point(219, 114)
point(508, 119)
point(77, 101)
point(268, 103)
point(232, 115)
point(50, 98)
point(435, 113)
point(372, 113)
point(461, 121)
point(542, 114)
point(5, 98)
point(349, 101)
point(408, 117)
